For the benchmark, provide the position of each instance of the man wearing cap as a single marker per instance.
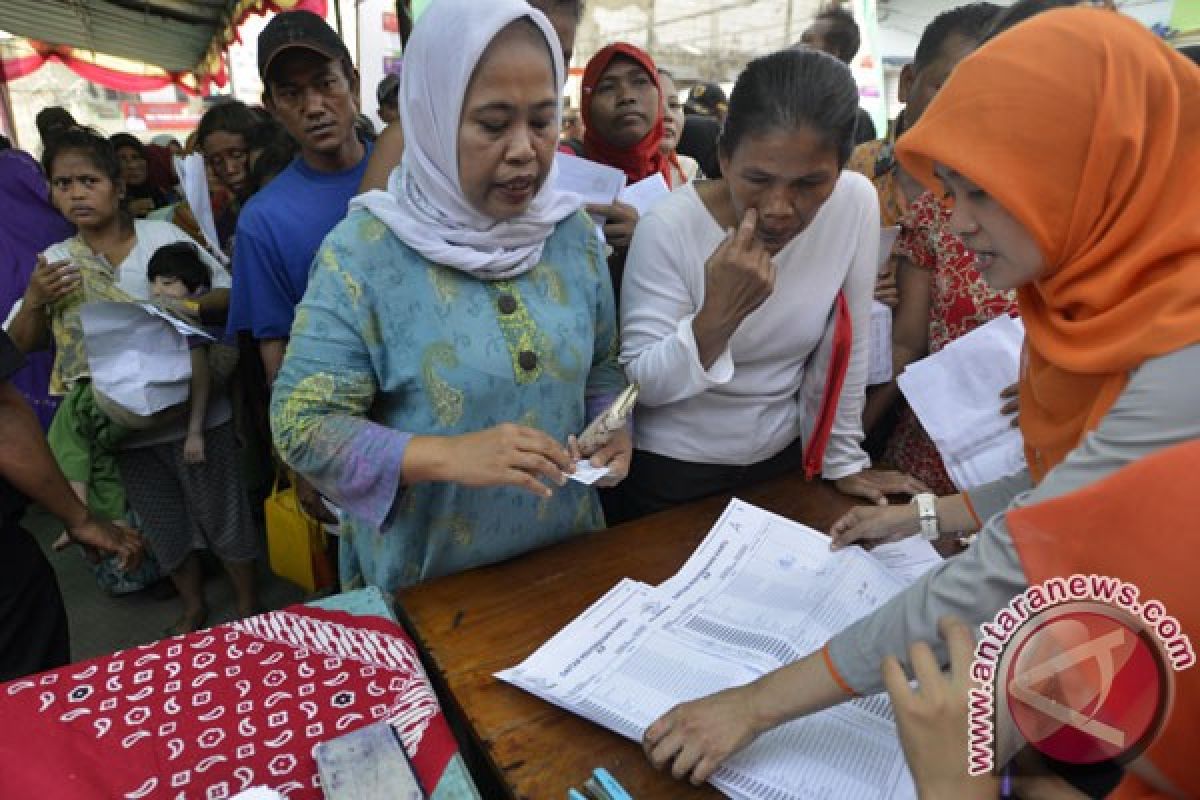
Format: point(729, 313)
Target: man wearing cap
point(704, 114)
point(311, 88)
point(707, 100)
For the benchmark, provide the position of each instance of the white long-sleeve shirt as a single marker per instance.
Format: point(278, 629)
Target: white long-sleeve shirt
point(745, 407)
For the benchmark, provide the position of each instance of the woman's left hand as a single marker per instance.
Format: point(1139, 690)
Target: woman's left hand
point(616, 455)
point(876, 484)
point(886, 290)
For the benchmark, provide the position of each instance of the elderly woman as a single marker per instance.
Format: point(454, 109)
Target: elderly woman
point(459, 327)
point(1073, 179)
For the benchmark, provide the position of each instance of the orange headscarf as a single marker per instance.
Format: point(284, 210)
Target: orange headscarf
point(1139, 525)
point(1086, 128)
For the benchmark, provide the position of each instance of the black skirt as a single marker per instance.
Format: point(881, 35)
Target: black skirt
point(656, 482)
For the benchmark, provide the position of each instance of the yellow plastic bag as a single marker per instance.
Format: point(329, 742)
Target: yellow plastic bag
point(295, 541)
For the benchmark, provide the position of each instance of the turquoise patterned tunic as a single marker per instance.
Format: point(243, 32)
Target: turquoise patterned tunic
point(387, 345)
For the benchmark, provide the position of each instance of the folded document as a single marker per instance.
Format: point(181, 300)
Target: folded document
point(955, 393)
point(758, 593)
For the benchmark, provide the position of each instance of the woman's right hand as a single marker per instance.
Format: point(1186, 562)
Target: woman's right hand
point(51, 281)
point(739, 276)
point(693, 739)
point(109, 538)
point(507, 455)
point(877, 524)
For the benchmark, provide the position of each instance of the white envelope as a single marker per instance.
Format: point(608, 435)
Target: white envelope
point(646, 193)
point(138, 358)
point(595, 183)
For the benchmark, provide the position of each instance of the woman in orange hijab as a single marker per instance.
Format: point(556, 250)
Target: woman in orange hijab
point(1095, 531)
point(1070, 146)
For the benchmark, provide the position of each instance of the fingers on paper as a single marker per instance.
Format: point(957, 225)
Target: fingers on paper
point(849, 529)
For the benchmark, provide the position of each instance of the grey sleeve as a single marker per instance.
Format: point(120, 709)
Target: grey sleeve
point(1160, 407)
point(992, 498)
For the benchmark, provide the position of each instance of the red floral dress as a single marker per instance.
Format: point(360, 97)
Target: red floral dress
point(960, 301)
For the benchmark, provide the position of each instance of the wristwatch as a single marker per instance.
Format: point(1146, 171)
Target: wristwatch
point(926, 504)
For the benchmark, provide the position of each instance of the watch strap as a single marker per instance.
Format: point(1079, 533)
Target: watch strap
point(926, 504)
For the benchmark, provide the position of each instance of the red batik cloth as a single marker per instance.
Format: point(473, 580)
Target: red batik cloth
point(211, 713)
point(959, 302)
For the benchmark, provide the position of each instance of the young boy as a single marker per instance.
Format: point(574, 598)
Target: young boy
point(177, 275)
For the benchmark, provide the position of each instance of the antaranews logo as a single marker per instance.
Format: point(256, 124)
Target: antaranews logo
point(1079, 668)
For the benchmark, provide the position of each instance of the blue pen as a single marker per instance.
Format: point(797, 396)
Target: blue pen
point(574, 794)
point(1006, 783)
point(610, 785)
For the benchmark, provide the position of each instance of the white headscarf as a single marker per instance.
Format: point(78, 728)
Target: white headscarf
point(424, 203)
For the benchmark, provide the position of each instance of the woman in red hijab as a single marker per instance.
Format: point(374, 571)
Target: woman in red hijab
point(622, 116)
point(623, 121)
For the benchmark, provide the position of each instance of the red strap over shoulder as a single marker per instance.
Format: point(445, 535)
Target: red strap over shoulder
point(839, 364)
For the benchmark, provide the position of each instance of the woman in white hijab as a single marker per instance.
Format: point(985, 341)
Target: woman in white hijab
point(458, 328)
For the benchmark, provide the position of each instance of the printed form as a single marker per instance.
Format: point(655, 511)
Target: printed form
point(759, 592)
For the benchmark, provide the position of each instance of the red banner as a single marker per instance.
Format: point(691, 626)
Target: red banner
point(163, 116)
point(210, 71)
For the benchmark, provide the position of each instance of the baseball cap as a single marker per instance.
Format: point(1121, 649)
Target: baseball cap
point(298, 29)
point(706, 98)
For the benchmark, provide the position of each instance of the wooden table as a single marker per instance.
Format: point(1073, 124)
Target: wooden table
point(476, 623)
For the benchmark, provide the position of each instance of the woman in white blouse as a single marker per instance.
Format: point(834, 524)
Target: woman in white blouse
point(746, 302)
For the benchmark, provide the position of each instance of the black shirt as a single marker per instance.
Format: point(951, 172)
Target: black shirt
point(12, 502)
point(864, 128)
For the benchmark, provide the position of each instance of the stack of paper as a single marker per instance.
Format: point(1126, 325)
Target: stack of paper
point(955, 393)
point(759, 592)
